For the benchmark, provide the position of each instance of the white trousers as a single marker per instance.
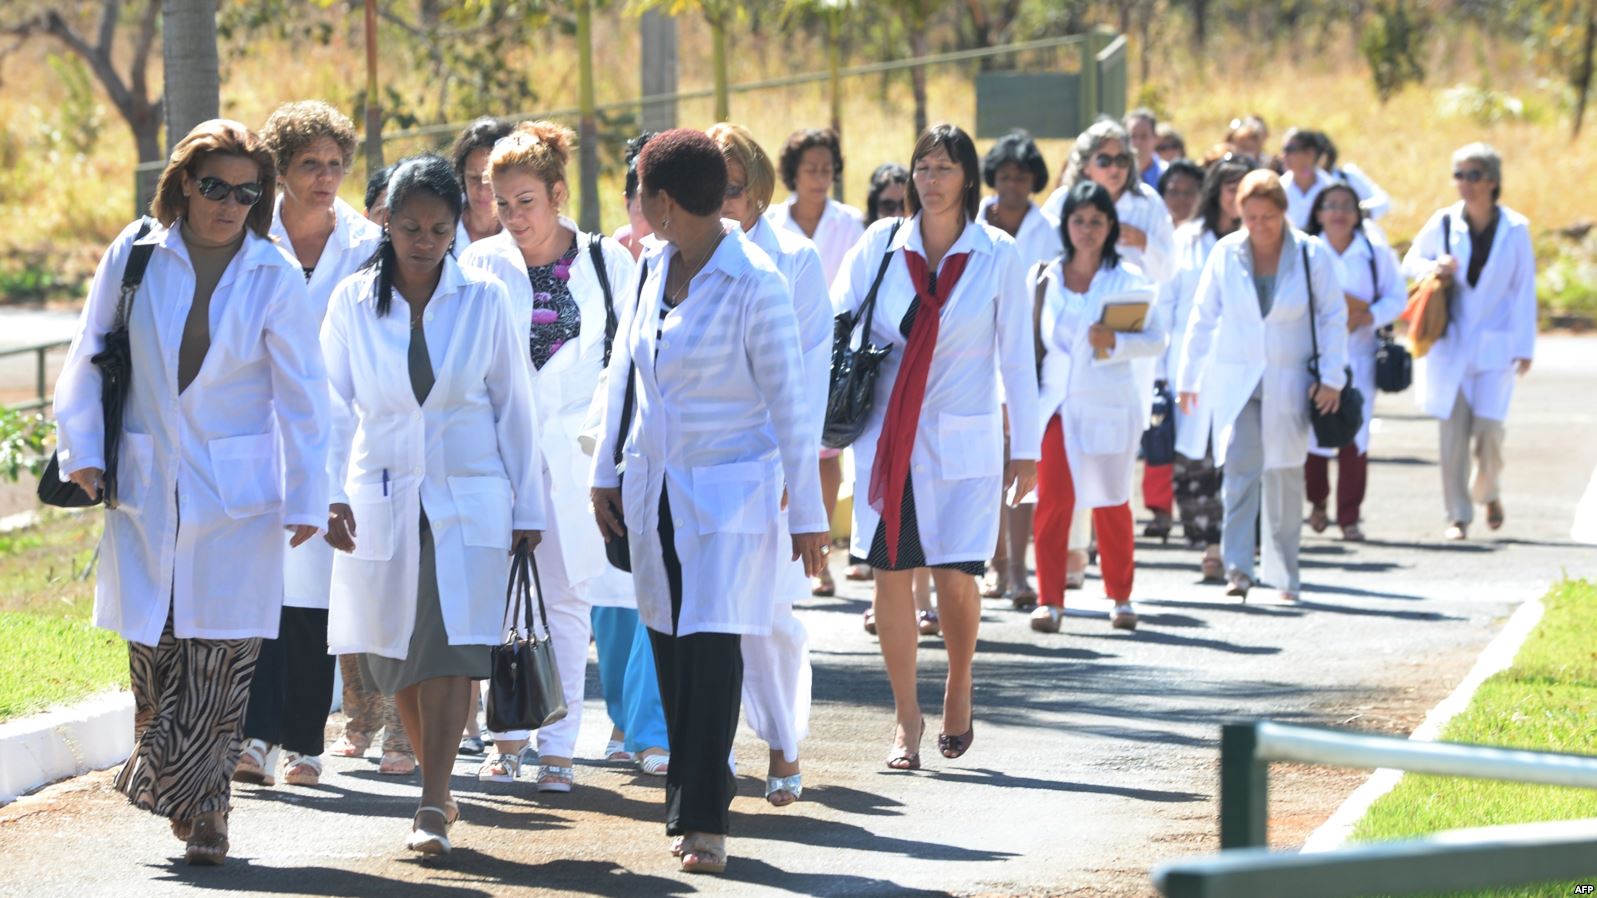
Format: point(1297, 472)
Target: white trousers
point(776, 683)
point(1469, 440)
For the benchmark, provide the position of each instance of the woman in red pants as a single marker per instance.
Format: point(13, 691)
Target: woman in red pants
point(1092, 401)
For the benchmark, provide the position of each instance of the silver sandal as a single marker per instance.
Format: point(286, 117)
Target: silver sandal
point(793, 785)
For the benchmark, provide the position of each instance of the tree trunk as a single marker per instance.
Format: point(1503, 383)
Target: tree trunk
point(1200, 23)
point(193, 77)
point(723, 106)
point(374, 103)
point(834, 65)
point(917, 75)
point(588, 126)
point(659, 69)
point(1583, 88)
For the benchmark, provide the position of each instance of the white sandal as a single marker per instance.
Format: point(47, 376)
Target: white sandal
point(655, 765)
point(616, 752)
point(301, 770)
point(257, 764)
point(499, 768)
point(424, 842)
point(555, 779)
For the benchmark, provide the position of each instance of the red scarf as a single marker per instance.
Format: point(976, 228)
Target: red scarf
point(902, 419)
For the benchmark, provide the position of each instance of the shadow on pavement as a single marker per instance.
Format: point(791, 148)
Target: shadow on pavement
point(1156, 637)
point(833, 834)
point(995, 778)
point(757, 872)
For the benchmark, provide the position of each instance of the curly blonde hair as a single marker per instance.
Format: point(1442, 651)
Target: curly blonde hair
point(543, 148)
point(295, 126)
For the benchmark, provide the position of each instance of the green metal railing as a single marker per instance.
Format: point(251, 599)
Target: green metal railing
point(41, 398)
point(1489, 857)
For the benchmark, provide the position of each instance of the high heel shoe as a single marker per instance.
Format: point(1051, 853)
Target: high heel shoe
point(904, 758)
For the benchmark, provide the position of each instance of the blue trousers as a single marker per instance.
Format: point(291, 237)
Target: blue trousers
point(627, 675)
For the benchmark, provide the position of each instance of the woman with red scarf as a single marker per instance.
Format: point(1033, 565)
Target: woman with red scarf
point(951, 303)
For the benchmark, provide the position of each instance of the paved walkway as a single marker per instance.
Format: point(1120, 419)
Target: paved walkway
point(1095, 752)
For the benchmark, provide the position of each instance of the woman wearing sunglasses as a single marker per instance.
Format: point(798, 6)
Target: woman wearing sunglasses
point(1304, 178)
point(1467, 378)
point(224, 446)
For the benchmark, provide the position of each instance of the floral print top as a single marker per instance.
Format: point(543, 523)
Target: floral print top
point(555, 316)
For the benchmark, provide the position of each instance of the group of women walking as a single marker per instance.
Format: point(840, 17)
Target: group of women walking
point(422, 393)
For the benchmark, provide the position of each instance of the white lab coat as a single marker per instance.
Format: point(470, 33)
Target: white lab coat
point(1230, 349)
point(1493, 323)
point(984, 339)
point(240, 454)
point(1387, 296)
point(722, 421)
point(468, 455)
point(839, 229)
point(1300, 202)
point(308, 570)
point(1145, 210)
point(1194, 242)
point(1101, 401)
point(564, 390)
point(1038, 238)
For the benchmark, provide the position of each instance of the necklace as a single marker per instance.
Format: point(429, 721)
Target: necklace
point(682, 289)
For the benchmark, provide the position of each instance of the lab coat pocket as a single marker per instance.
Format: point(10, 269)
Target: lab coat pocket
point(135, 468)
point(970, 446)
point(1105, 430)
point(1494, 352)
point(484, 507)
point(741, 497)
point(373, 508)
point(247, 474)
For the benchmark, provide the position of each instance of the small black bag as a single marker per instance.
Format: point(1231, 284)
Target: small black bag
point(1339, 428)
point(1394, 366)
point(853, 383)
point(524, 691)
point(1159, 440)
point(618, 549)
point(115, 361)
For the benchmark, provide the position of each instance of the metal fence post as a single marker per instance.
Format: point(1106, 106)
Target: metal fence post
point(39, 358)
point(1244, 788)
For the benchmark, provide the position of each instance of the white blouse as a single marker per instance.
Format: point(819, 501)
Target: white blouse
point(839, 229)
point(1143, 209)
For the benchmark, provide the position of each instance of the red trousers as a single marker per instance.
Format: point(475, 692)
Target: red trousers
point(1056, 502)
point(1158, 487)
point(1352, 472)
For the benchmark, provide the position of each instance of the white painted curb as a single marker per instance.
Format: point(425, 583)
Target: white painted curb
point(41, 749)
point(1497, 657)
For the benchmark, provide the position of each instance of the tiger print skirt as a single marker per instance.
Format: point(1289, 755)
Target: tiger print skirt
point(189, 699)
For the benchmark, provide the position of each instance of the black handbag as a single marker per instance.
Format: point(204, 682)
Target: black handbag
point(618, 549)
point(1159, 440)
point(1394, 366)
point(1337, 429)
point(854, 371)
point(115, 361)
point(524, 691)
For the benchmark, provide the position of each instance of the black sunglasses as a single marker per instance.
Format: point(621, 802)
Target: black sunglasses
point(889, 207)
point(1472, 175)
point(216, 190)
point(1105, 160)
point(733, 191)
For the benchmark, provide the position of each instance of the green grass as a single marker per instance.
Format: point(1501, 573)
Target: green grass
point(1547, 701)
point(53, 654)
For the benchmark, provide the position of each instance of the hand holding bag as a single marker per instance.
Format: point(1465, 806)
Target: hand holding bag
point(524, 691)
point(854, 371)
point(618, 549)
point(1159, 440)
point(1337, 429)
point(115, 361)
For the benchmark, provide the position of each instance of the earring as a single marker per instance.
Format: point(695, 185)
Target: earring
point(665, 222)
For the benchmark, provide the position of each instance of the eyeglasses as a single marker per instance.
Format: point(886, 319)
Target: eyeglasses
point(1105, 160)
point(1296, 148)
point(1339, 207)
point(1472, 175)
point(216, 190)
point(889, 207)
point(734, 191)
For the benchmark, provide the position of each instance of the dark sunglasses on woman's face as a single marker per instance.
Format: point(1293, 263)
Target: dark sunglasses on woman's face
point(733, 191)
point(889, 207)
point(1472, 175)
point(216, 190)
point(1105, 160)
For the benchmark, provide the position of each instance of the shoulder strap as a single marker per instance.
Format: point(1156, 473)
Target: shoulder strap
point(1447, 233)
point(631, 397)
point(1375, 276)
point(610, 321)
point(133, 272)
point(1314, 322)
point(870, 298)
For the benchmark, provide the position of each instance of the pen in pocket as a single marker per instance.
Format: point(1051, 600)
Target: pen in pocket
point(385, 482)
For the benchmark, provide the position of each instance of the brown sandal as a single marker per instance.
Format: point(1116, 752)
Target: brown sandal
point(904, 759)
point(207, 843)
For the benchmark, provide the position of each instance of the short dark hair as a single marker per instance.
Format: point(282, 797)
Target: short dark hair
point(634, 147)
point(1328, 151)
point(422, 173)
point(1314, 228)
point(481, 134)
point(1181, 168)
point(688, 165)
point(804, 139)
point(886, 175)
point(954, 141)
point(1230, 169)
point(376, 184)
point(1091, 193)
point(1016, 147)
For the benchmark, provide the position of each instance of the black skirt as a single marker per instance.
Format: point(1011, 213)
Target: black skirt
point(910, 553)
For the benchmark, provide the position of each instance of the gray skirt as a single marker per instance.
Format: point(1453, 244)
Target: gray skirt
point(430, 655)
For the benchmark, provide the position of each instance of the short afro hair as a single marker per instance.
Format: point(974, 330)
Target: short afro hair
point(689, 166)
point(1017, 147)
point(295, 126)
point(806, 139)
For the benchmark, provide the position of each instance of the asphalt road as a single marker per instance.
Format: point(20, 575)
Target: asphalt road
point(1095, 754)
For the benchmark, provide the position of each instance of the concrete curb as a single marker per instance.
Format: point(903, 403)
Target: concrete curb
point(1497, 657)
point(41, 749)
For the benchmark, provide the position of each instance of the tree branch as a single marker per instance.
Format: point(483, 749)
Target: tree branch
point(138, 69)
point(110, 11)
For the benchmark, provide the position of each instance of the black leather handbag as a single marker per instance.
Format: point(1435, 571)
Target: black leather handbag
point(1159, 440)
point(1337, 429)
point(854, 371)
point(115, 361)
point(524, 691)
point(618, 549)
point(1394, 365)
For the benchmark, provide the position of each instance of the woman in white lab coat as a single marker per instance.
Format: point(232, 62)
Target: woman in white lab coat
point(1377, 294)
point(1467, 379)
point(1247, 357)
point(1304, 178)
point(470, 158)
point(721, 423)
point(568, 305)
point(1014, 169)
point(776, 667)
point(292, 692)
point(929, 465)
point(223, 446)
point(441, 479)
point(1195, 480)
point(1092, 400)
point(811, 163)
